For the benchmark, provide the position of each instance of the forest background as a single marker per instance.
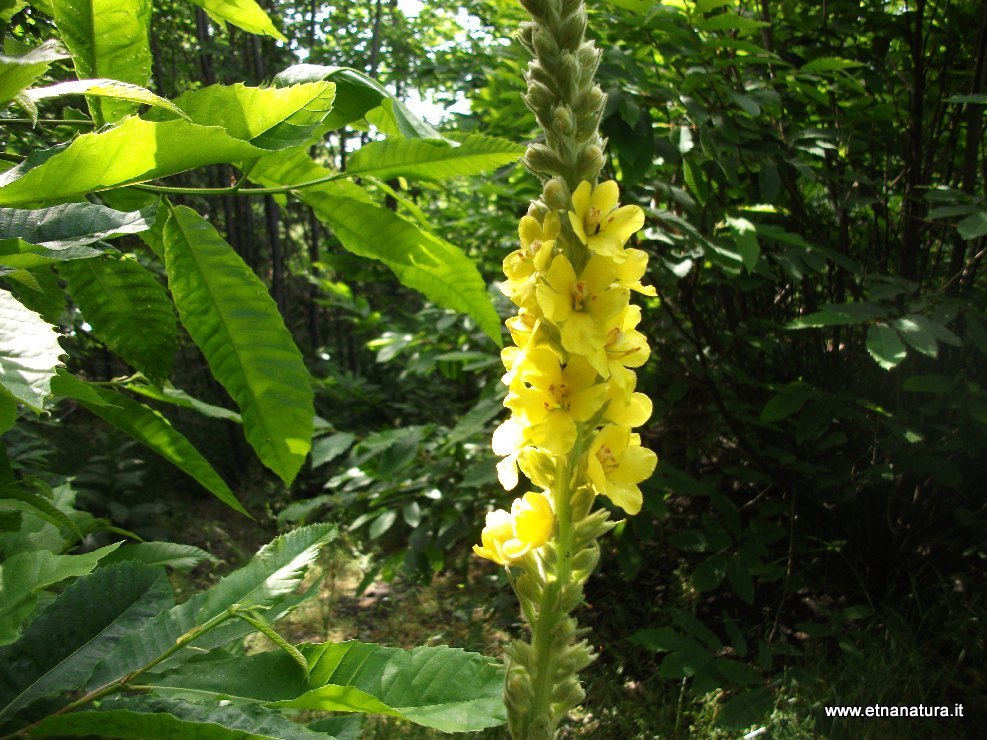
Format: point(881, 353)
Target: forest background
point(813, 178)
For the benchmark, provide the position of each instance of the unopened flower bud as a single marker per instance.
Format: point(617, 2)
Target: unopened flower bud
point(556, 195)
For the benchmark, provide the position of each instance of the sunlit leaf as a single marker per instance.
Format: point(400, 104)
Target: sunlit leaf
point(17, 72)
point(245, 14)
point(29, 352)
point(234, 321)
point(108, 39)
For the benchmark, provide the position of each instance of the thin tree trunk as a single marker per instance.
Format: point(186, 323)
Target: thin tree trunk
point(913, 208)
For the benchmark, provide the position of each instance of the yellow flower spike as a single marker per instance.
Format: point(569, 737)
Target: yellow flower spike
point(539, 465)
point(616, 463)
point(582, 305)
point(598, 222)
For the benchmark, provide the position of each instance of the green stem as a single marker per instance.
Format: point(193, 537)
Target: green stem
point(539, 721)
point(236, 189)
point(48, 121)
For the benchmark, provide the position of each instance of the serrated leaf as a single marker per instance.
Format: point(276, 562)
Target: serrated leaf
point(29, 352)
point(103, 88)
point(270, 118)
point(436, 268)
point(160, 554)
point(913, 330)
point(128, 309)
point(108, 39)
point(266, 581)
point(24, 575)
point(234, 321)
point(432, 160)
point(155, 718)
point(441, 687)
point(83, 624)
point(133, 151)
point(149, 428)
point(17, 72)
point(357, 96)
point(973, 226)
point(885, 346)
point(245, 14)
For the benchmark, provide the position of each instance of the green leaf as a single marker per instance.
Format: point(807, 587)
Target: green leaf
point(149, 428)
point(914, 330)
point(62, 646)
point(973, 226)
point(885, 346)
point(740, 578)
point(839, 314)
point(432, 160)
point(24, 575)
point(441, 687)
point(421, 261)
point(329, 448)
point(828, 64)
point(245, 14)
point(169, 394)
point(745, 709)
point(58, 232)
point(115, 295)
point(266, 581)
point(107, 39)
point(737, 672)
point(161, 554)
point(39, 503)
point(29, 352)
point(709, 574)
point(133, 151)
point(729, 21)
point(155, 718)
point(16, 73)
point(358, 95)
point(103, 88)
point(745, 238)
point(236, 324)
point(271, 118)
point(786, 403)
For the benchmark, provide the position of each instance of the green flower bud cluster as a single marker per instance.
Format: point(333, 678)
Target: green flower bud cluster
point(563, 95)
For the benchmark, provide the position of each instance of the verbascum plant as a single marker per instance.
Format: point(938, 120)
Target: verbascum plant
point(570, 373)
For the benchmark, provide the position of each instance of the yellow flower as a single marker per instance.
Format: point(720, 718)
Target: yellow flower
point(625, 345)
point(617, 463)
point(550, 399)
point(537, 242)
point(507, 537)
point(580, 306)
point(598, 222)
point(523, 325)
point(625, 407)
point(508, 441)
point(630, 270)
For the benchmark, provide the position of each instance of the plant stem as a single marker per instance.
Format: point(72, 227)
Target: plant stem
point(236, 189)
